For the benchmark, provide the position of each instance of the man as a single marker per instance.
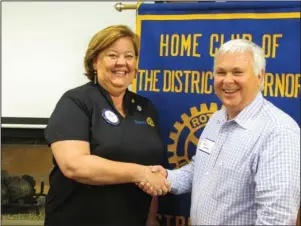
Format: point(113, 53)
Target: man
point(246, 170)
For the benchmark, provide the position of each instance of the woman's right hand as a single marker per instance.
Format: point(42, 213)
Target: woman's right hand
point(155, 182)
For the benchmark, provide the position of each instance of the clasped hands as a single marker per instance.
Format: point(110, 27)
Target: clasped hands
point(155, 181)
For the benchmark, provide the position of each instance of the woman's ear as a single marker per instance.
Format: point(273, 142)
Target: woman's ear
point(135, 74)
point(94, 64)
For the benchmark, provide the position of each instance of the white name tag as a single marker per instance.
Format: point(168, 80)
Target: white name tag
point(206, 145)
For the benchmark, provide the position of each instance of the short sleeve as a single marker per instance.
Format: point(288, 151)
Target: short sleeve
point(69, 121)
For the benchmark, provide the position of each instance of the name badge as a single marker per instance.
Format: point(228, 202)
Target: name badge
point(110, 117)
point(206, 145)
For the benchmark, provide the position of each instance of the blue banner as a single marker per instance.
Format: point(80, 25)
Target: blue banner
point(178, 44)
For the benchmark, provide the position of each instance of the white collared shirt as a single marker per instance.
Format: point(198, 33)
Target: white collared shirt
point(249, 171)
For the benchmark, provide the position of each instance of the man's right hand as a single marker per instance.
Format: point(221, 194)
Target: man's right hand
point(150, 187)
point(159, 169)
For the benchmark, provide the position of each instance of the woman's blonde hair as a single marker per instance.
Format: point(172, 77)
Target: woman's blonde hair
point(104, 39)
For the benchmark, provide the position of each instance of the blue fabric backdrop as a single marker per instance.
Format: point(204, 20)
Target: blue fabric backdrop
point(178, 43)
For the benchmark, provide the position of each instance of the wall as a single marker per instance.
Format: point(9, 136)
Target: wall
point(43, 45)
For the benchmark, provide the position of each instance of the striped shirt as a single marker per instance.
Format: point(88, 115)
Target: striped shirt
point(246, 171)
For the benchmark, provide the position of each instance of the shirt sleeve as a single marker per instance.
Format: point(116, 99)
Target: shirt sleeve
point(278, 178)
point(69, 121)
point(181, 179)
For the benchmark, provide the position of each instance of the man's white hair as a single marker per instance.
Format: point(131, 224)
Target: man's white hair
point(241, 46)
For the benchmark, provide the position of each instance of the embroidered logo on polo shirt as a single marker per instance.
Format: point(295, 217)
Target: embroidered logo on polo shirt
point(150, 122)
point(140, 122)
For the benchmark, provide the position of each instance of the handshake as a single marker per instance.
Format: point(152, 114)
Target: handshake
point(155, 181)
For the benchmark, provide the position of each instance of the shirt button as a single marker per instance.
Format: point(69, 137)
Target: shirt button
point(221, 164)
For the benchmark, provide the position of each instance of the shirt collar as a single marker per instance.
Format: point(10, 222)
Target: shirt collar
point(126, 97)
point(246, 117)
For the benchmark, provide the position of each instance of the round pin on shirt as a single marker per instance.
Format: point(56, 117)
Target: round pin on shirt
point(110, 117)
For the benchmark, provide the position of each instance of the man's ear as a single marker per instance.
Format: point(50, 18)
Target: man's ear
point(261, 76)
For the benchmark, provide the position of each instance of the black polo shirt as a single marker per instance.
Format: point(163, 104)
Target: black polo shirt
point(87, 113)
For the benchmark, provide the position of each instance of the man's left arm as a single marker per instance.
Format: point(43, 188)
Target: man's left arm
point(277, 178)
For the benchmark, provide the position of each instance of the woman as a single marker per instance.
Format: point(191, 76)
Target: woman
point(104, 138)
